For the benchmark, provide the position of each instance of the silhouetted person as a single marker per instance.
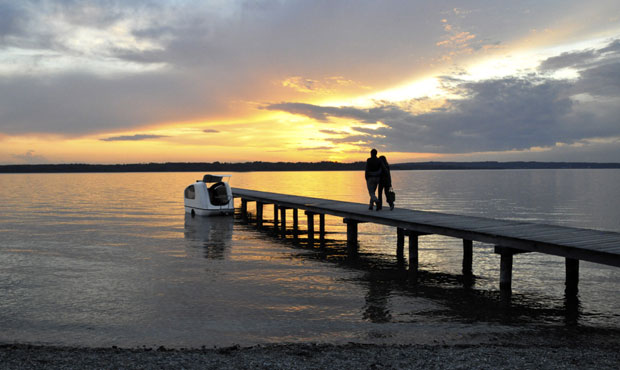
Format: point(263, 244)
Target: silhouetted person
point(385, 183)
point(373, 176)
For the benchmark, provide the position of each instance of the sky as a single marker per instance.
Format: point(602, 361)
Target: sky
point(139, 81)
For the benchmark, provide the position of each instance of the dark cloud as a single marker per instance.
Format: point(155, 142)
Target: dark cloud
point(319, 113)
point(136, 137)
point(209, 54)
point(88, 103)
point(602, 80)
point(566, 60)
point(333, 132)
point(12, 17)
point(493, 115)
point(583, 59)
point(210, 130)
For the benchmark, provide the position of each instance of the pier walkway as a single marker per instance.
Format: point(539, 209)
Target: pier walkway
point(509, 237)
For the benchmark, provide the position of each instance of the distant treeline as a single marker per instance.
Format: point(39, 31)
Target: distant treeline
point(288, 166)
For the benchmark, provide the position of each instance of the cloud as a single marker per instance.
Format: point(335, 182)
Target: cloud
point(30, 158)
point(137, 137)
point(504, 114)
point(324, 86)
point(210, 130)
point(12, 19)
point(320, 113)
point(96, 65)
point(333, 132)
point(583, 59)
point(81, 67)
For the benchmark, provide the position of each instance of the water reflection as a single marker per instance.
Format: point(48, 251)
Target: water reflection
point(213, 234)
point(456, 298)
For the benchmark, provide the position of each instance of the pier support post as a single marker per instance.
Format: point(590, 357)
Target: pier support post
point(275, 218)
point(505, 268)
point(400, 244)
point(322, 229)
point(259, 215)
point(572, 277)
point(310, 217)
point(351, 235)
point(505, 273)
point(283, 222)
point(295, 223)
point(244, 209)
point(413, 254)
point(467, 259)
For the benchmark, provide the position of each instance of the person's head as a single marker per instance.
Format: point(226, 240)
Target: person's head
point(383, 159)
point(373, 153)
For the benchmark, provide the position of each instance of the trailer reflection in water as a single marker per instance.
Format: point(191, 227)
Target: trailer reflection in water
point(213, 234)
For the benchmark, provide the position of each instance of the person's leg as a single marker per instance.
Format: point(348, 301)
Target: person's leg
point(372, 183)
point(380, 202)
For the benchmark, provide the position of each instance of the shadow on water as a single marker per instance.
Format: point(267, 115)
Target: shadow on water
point(213, 234)
point(385, 276)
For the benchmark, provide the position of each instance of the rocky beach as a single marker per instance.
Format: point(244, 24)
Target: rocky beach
point(563, 348)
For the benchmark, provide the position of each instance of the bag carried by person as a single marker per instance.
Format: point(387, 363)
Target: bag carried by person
point(391, 195)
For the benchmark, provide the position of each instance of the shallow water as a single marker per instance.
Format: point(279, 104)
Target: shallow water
point(111, 259)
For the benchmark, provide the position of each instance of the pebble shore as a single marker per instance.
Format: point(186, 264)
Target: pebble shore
point(523, 351)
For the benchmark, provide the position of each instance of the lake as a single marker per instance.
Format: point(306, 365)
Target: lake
point(101, 259)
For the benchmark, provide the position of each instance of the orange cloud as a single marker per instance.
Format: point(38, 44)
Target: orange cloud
point(324, 86)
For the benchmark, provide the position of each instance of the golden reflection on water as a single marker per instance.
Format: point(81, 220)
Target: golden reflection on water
point(125, 238)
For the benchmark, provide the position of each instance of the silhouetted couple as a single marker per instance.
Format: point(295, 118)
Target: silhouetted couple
point(378, 175)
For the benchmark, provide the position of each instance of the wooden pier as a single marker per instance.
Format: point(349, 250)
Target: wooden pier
point(509, 237)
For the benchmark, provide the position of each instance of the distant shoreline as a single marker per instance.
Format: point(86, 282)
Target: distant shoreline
point(290, 166)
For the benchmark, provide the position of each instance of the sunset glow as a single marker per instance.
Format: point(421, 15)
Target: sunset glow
point(304, 81)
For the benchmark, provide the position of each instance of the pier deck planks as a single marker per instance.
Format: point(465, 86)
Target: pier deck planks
point(575, 243)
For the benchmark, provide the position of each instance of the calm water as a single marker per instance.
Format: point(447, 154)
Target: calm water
point(111, 259)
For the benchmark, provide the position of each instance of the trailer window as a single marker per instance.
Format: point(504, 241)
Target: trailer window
point(190, 192)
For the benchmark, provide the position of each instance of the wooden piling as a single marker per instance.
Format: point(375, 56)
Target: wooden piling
point(505, 272)
point(572, 277)
point(413, 254)
point(244, 210)
point(351, 234)
point(467, 258)
point(400, 243)
point(283, 222)
point(275, 218)
point(295, 223)
point(322, 229)
point(259, 214)
point(310, 217)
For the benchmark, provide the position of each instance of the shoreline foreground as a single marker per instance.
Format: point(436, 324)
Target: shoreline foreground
point(563, 348)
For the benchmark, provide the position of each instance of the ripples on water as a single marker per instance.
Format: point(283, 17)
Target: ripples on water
point(111, 259)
